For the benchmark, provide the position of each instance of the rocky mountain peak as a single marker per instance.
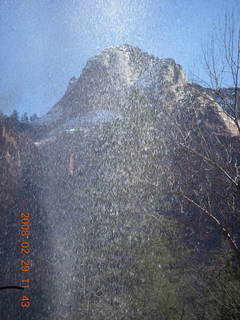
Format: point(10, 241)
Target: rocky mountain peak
point(123, 63)
point(130, 64)
point(108, 77)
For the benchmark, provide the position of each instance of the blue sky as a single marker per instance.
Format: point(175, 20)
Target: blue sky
point(46, 42)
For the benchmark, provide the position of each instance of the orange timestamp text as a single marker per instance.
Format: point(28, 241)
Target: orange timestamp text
point(25, 251)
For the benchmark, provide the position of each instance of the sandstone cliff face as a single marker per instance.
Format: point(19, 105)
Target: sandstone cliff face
point(20, 181)
point(19, 172)
point(107, 154)
point(125, 94)
point(11, 166)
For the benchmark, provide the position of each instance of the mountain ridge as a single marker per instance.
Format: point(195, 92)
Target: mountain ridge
point(108, 77)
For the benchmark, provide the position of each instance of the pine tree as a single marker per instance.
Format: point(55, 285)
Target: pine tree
point(24, 117)
point(15, 115)
point(33, 117)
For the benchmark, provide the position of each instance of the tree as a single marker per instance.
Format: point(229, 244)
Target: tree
point(14, 115)
point(221, 59)
point(33, 117)
point(158, 282)
point(24, 117)
point(208, 138)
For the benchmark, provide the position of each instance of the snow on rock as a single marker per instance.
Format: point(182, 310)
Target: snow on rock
point(92, 118)
point(45, 141)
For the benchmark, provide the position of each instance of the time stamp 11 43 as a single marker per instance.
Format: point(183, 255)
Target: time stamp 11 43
point(25, 252)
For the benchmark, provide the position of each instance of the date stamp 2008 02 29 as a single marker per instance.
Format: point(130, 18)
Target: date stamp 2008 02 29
point(25, 251)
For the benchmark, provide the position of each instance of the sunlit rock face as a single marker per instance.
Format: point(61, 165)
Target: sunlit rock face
point(101, 93)
point(107, 79)
point(161, 73)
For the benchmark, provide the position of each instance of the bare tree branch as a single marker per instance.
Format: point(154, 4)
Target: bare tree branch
point(212, 162)
point(217, 223)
